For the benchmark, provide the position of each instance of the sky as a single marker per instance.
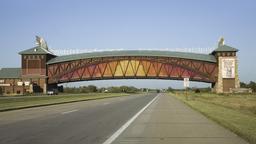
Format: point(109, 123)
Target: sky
point(130, 24)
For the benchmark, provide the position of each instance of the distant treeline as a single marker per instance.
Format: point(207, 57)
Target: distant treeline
point(251, 85)
point(92, 89)
point(131, 89)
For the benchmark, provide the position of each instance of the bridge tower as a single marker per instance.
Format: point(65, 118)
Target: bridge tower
point(34, 67)
point(227, 62)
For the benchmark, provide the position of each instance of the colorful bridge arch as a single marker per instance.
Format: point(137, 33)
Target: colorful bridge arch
point(132, 65)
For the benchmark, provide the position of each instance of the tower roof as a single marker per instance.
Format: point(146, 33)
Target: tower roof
point(36, 50)
point(41, 48)
point(224, 48)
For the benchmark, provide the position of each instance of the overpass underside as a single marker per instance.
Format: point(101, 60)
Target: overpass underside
point(132, 67)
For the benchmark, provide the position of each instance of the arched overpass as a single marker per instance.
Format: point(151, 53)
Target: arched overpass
point(140, 64)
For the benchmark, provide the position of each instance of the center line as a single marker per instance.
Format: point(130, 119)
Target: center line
point(67, 112)
point(122, 128)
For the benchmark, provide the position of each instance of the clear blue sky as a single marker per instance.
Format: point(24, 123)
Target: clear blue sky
point(129, 24)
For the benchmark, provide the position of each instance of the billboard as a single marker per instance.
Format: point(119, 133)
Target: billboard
point(228, 68)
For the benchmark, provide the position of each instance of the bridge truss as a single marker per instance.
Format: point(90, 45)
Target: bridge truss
point(132, 67)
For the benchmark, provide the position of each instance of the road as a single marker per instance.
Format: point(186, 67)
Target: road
point(89, 122)
point(137, 119)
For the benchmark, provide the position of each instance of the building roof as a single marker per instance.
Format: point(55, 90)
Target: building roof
point(36, 50)
point(193, 56)
point(225, 48)
point(10, 73)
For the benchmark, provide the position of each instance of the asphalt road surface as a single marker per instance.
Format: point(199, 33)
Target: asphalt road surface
point(89, 122)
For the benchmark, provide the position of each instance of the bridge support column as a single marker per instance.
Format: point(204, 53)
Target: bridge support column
point(227, 75)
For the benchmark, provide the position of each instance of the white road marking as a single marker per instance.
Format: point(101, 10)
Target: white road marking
point(122, 128)
point(67, 112)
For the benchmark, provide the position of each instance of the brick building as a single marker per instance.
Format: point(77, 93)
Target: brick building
point(31, 77)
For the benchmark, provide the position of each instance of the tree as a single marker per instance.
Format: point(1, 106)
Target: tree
point(252, 85)
point(92, 88)
point(243, 85)
point(115, 89)
point(170, 89)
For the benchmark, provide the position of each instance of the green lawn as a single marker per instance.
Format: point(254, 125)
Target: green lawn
point(12, 103)
point(235, 112)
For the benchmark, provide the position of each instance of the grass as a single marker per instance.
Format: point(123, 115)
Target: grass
point(235, 112)
point(13, 103)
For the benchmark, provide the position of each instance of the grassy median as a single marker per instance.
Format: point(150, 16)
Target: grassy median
point(236, 112)
point(13, 103)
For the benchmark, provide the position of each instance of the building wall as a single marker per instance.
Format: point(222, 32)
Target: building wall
point(34, 70)
point(33, 64)
point(11, 86)
point(228, 84)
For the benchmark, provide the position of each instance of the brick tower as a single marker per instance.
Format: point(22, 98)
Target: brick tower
point(34, 68)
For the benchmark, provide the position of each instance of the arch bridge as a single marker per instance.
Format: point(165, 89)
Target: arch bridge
point(41, 70)
point(132, 65)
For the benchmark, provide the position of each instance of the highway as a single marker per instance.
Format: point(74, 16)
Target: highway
point(89, 122)
point(137, 119)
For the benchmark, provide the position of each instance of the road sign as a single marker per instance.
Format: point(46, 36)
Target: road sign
point(186, 82)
